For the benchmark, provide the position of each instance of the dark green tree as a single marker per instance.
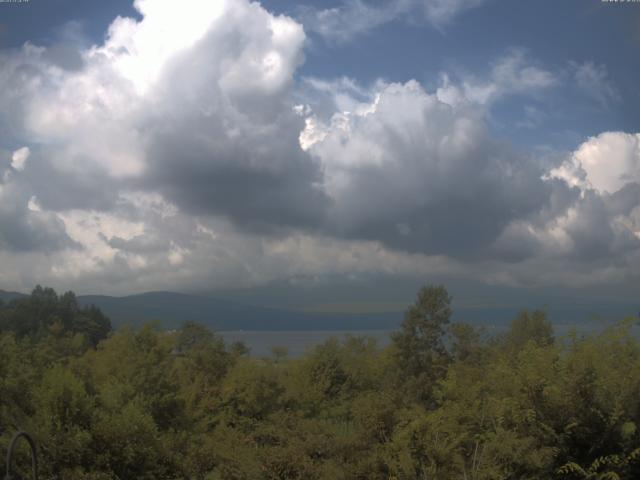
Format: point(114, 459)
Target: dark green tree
point(529, 327)
point(419, 347)
point(466, 341)
point(44, 313)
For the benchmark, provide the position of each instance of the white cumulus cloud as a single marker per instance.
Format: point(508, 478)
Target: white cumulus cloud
point(19, 158)
point(185, 150)
point(605, 163)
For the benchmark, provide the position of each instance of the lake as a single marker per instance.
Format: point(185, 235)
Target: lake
point(297, 342)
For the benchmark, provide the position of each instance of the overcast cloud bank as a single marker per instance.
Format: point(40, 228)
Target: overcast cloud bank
point(186, 151)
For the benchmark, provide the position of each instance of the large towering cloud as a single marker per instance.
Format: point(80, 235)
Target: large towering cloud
point(193, 100)
point(191, 104)
point(185, 151)
point(421, 172)
point(424, 176)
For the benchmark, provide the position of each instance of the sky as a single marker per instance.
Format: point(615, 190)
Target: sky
point(203, 146)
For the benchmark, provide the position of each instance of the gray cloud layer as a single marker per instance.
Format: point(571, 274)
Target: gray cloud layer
point(175, 155)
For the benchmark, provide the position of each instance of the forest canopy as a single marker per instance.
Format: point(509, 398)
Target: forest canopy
point(443, 401)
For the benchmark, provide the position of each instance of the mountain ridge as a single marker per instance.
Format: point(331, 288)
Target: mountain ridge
point(172, 309)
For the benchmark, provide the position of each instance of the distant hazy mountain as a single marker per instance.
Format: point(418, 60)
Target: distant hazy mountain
point(172, 309)
point(8, 296)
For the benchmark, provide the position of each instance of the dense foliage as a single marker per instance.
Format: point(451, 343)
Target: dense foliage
point(45, 314)
point(443, 401)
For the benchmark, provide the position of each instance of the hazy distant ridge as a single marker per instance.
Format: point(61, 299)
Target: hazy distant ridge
point(8, 296)
point(172, 309)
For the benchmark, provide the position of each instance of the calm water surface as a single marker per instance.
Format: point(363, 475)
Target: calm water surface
point(297, 342)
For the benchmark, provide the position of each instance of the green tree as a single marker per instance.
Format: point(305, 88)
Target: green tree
point(466, 341)
point(419, 347)
point(44, 313)
point(529, 327)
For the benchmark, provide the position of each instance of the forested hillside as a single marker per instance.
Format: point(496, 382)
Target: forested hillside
point(443, 401)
